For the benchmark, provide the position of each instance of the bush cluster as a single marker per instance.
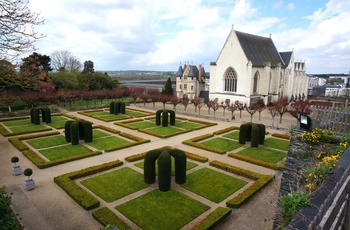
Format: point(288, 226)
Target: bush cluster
point(35, 115)
point(116, 107)
point(215, 217)
point(252, 132)
point(78, 130)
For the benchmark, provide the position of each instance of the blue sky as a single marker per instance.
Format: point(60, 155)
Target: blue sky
point(158, 35)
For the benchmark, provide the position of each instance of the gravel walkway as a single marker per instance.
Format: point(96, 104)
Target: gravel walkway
point(48, 207)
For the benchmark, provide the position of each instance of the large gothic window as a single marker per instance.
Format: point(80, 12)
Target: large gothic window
point(230, 80)
point(255, 82)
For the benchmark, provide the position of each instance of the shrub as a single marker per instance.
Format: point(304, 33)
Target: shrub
point(165, 117)
point(164, 170)
point(150, 166)
point(279, 135)
point(122, 107)
point(210, 221)
point(158, 116)
point(243, 129)
point(180, 165)
point(111, 107)
point(46, 115)
point(28, 172)
point(106, 217)
point(172, 117)
point(67, 133)
point(14, 160)
point(87, 130)
point(254, 135)
point(262, 131)
point(74, 132)
point(7, 217)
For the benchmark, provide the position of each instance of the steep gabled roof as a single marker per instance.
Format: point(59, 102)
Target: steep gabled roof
point(259, 50)
point(180, 72)
point(286, 56)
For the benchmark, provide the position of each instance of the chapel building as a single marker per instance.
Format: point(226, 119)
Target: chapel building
point(249, 68)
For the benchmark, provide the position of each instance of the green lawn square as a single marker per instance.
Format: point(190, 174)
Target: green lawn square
point(17, 122)
point(189, 165)
point(162, 210)
point(142, 124)
point(116, 184)
point(213, 185)
point(108, 142)
point(165, 131)
point(221, 143)
point(65, 151)
point(58, 122)
point(277, 143)
point(27, 128)
point(264, 154)
point(96, 133)
point(232, 135)
point(46, 142)
point(133, 113)
point(188, 125)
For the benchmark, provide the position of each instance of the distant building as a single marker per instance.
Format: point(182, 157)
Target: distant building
point(191, 81)
point(250, 68)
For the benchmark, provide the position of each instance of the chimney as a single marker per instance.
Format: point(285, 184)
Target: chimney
point(200, 73)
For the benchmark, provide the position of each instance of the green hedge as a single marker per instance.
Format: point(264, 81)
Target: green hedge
point(279, 135)
point(228, 129)
point(164, 170)
point(180, 165)
point(255, 135)
point(260, 182)
point(106, 217)
point(77, 193)
point(149, 173)
point(215, 217)
point(265, 164)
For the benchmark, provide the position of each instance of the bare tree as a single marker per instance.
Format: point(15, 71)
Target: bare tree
point(17, 35)
point(65, 60)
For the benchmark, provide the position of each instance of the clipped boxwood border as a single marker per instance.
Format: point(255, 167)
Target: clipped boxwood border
point(77, 193)
point(228, 129)
point(87, 113)
point(215, 217)
point(252, 160)
point(260, 182)
point(279, 135)
point(106, 217)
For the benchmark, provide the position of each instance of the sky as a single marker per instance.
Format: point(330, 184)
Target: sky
point(161, 35)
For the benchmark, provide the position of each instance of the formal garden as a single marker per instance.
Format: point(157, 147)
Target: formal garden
point(211, 190)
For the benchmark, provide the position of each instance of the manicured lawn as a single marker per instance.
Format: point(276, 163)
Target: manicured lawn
point(46, 142)
point(277, 143)
point(142, 124)
point(27, 128)
point(17, 122)
point(108, 142)
point(116, 184)
point(58, 122)
point(65, 151)
point(188, 125)
point(264, 154)
point(212, 185)
point(165, 131)
point(221, 143)
point(189, 165)
point(162, 210)
point(98, 133)
point(232, 135)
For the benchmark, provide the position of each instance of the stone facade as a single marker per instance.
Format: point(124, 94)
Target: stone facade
point(250, 68)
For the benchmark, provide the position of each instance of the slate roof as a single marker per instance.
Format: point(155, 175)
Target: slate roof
point(259, 49)
point(180, 72)
point(286, 56)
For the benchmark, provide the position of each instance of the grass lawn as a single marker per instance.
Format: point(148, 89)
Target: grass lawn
point(264, 154)
point(189, 165)
point(116, 184)
point(98, 133)
point(212, 185)
point(164, 131)
point(232, 135)
point(221, 143)
point(65, 151)
point(108, 142)
point(188, 125)
point(46, 142)
point(17, 122)
point(58, 122)
point(27, 128)
point(277, 143)
point(142, 124)
point(162, 210)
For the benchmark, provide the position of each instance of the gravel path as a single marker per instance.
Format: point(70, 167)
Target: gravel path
point(48, 207)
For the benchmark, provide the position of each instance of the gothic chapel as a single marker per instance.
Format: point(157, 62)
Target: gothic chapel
point(250, 68)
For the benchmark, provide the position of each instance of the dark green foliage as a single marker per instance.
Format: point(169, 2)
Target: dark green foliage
point(243, 133)
point(164, 170)
point(168, 89)
point(81, 130)
point(116, 108)
point(172, 117)
point(111, 107)
point(87, 130)
point(46, 115)
point(14, 160)
point(158, 115)
point(36, 116)
point(249, 131)
point(165, 118)
point(180, 165)
point(149, 173)
point(74, 132)
point(122, 107)
point(28, 172)
point(67, 131)
point(32, 115)
point(7, 217)
point(262, 131)
point(254, 135)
